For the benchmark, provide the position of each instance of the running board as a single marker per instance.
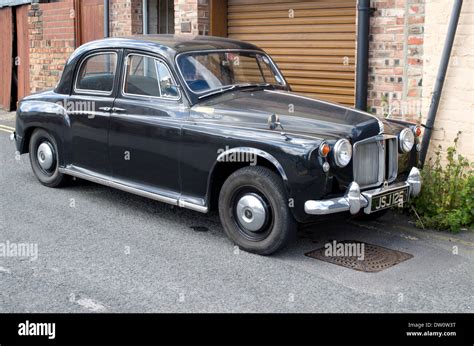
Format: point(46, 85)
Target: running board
point(103, 180)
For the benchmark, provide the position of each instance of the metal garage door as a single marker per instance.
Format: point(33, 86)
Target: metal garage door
point(313, 42)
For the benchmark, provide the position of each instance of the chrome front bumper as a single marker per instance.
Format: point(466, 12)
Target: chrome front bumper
point(354, 200)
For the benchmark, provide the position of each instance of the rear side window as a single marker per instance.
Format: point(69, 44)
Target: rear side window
point(97, 73)
point(147, 76)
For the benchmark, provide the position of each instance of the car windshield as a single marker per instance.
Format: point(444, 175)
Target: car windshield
point(207, 72)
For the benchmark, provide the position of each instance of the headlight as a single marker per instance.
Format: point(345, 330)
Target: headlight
point(342, 152)
point(407, 140)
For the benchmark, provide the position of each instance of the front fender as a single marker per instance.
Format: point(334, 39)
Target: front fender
point(225, 156)
point(300, 176)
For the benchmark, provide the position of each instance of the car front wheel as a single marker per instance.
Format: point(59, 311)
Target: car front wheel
point(254, 210)
point(44, 158)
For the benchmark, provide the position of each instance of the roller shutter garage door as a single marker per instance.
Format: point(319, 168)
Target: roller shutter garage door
point(313, 42)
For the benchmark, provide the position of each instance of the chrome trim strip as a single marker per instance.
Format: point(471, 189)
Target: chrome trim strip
point(73, 171)
point(393, 158)
point(192, 206)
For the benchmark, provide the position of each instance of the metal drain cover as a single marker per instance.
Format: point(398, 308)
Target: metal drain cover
point(359, 256)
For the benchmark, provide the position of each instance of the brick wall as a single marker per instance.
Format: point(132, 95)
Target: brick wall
point(52, 36)
point(51, 33)
point(125, 18)
point(407, 38)
point(456, 108)
point(191, 17)
point(396, 58)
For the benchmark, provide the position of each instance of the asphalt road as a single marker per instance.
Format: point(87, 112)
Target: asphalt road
point(104, 250)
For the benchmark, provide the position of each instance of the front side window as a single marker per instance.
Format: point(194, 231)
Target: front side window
point(167, 85)
point(97, 73)
point(146, 76)
point(206, 71)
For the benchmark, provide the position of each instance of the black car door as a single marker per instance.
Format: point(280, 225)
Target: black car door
point(145, 126)
point(89, 110)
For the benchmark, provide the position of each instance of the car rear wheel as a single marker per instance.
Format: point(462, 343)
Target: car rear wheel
point(44, 159)
point(253, 208)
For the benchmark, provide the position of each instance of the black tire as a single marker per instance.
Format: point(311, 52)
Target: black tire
point(264, 186)
point(370, 217)
point(50, 177)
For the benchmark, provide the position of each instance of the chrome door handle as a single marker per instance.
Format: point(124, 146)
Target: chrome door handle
point(105, 109)
point(118, 109)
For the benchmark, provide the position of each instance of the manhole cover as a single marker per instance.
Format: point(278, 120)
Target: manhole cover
point(359, 255)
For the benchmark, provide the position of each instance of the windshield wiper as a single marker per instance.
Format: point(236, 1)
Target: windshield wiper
point(258, 86)
point(219, 91)
point(234, 86)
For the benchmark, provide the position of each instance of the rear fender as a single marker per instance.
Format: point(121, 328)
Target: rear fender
point(50, 116)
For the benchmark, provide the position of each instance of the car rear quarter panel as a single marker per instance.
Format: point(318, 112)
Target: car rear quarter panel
point(47, 112)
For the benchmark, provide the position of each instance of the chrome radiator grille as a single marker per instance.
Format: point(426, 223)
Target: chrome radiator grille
point(375, 160)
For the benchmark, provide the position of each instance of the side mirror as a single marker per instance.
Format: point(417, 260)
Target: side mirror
point(166, 83)
point(273, 121)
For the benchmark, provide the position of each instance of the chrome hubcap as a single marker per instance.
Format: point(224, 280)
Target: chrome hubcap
point(45, 155)
point(251, 212)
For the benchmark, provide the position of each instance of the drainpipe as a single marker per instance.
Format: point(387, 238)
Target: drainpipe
point(106, 18)
point(145, 17)
point(438, 88)
point(362, 64)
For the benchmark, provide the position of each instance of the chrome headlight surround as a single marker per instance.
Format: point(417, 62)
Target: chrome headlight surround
point(342, 152)
point(406, 140)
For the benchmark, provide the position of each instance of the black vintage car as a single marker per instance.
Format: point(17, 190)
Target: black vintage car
point(207, 122)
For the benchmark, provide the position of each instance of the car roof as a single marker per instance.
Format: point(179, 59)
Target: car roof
point(169, 45)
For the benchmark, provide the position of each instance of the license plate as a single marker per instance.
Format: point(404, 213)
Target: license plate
point(389, 199)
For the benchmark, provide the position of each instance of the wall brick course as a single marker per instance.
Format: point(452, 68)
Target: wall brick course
point(52, 40)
